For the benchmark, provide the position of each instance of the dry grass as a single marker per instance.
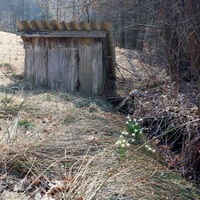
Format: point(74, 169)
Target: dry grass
point(12, 51)
point(75, 138)
point(72, 137)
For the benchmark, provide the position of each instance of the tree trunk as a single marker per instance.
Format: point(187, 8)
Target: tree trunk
point(193, 35)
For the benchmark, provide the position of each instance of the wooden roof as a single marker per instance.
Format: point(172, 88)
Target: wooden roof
point(62, 26)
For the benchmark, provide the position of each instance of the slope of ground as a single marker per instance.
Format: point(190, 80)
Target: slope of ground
point(62, 146)
point(11, 56)
point(169, 110)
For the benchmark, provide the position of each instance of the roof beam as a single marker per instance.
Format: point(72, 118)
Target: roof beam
point(81, 34)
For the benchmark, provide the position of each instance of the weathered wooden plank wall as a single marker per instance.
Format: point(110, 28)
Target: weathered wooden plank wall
point(98, 68)
point(85, 66)
point(63, 69)
point(40, 61)
point(67, 64)
point(36, 61)
point(91, 73)
point(28, 63)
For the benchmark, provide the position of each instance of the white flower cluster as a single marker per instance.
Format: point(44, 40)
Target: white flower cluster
point(136, 131)
point(135, 120)
point(124, 133)
point(135, 126)
point(122, 142)
point(128, 120)
point(130, 135)
point(148, 147)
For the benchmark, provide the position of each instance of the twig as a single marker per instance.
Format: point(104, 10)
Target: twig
point(140, 102)
point(142, 65)
point(127, 70)
point(120, 72)
point(154, 171)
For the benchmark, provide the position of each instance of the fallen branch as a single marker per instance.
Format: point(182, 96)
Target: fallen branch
point(120, 72)
point(127, 70)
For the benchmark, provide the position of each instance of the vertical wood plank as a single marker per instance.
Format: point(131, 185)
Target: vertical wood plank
point(63, 69)
point(85, 65)
point(52, 67)
point(29, 62)
point(98, 70)
point(40, 68)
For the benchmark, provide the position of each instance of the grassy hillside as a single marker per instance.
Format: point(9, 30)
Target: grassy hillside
point(65, 144)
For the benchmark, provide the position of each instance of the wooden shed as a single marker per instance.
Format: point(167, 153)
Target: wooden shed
point(69, 57)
